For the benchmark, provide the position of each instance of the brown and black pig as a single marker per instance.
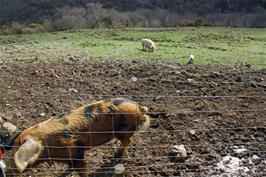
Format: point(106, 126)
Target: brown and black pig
point(65, 138)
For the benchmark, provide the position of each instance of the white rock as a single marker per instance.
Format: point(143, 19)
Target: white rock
point(72, 58)
point(73, 90)
point(134, 79)
point(240, 150)
point(42, 114)
point(255, 157)
point(178, 153)
point(9, 127)
point(232, 166)
point(192, 132)
point(119, 170)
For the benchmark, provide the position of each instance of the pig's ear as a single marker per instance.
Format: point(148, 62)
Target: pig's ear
point(27, 153)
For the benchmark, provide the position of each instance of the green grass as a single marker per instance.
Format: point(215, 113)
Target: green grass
point(209, 45)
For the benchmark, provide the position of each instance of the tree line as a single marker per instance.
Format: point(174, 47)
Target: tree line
point(67, 14)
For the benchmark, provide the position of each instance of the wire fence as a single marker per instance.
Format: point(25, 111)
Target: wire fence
point(184, 139)
point(141, 80)
point(148, 96)
point(152, 151)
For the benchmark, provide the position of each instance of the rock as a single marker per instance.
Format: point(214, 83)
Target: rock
point(5, 118)
point(73, 90)
point(178, 153)
point(134, 79)
point(6, 130)
point(1, 120)
point(224, 175)
point(72, 58)
point(258, 79)
point(255, 157)
point(247, 65)
point(192, 132)
point(155, 125)
point(159, 98)
point(253, 84)
point(42, 114)
point(190, 80)
point(119, 170)
point(239, 149)
point(9, 127)
point(17, 114)
point(2, 115)
point(238, 79)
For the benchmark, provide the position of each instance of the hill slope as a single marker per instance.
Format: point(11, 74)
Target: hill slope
point(38, 10)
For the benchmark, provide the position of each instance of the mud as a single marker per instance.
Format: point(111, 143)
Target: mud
point(224, 106)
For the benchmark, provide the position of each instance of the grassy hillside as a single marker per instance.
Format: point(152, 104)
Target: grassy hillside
point(209, 45)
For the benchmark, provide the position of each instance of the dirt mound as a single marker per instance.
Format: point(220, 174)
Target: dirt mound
point(214, 111)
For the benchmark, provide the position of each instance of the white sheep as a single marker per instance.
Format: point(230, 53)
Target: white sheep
point(191, 59)
point(148, 44)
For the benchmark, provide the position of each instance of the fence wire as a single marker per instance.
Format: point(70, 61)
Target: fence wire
point(150, 151)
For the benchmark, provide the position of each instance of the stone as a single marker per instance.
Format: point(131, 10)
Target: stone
point(72, 59)
point(73, 90)
point(42, 114)
point(192, 132)
point(9, 127)
point(178, 153)
point(17, 114)
point(119, 170)
point(134, 79)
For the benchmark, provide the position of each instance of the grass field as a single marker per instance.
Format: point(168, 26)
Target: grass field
point(209, 45)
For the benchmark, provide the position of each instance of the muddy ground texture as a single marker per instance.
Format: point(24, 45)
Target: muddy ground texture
point(218, 113)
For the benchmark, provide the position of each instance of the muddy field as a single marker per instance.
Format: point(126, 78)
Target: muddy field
point(218, 113)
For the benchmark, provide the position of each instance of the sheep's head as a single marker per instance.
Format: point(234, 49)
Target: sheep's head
point(153, 48)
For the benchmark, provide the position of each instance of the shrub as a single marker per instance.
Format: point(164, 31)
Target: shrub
point(15, 28)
